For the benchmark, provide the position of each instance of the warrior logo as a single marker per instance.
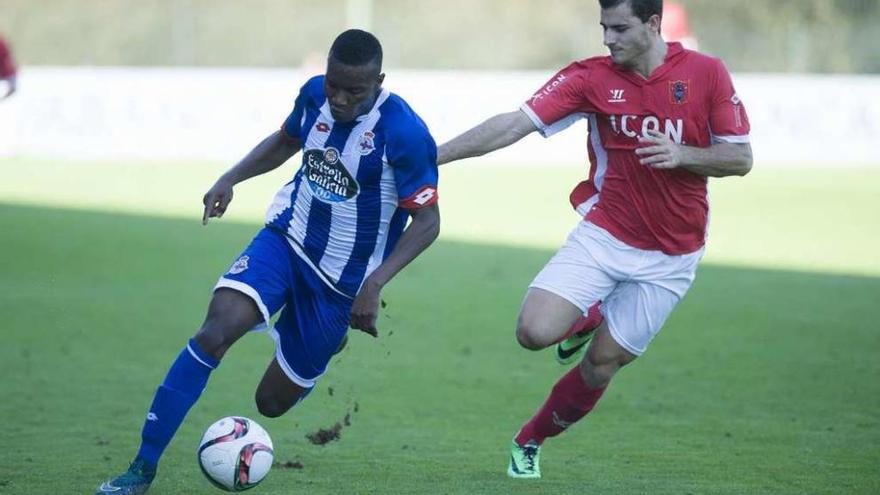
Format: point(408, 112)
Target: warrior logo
point(328, 178)
point(678, 92)
point(616, 96)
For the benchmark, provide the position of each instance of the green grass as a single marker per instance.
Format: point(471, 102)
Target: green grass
point(764, 380)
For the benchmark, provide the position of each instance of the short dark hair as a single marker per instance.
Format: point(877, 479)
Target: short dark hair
point(356, 47)
point(643, 9)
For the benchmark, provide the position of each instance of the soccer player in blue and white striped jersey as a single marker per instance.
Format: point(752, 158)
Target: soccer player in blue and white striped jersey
point(334, 236)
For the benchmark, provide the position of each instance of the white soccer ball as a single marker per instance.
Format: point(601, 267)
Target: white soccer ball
point(235, 453)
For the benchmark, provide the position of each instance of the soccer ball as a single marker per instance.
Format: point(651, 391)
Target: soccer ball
point(235, 453)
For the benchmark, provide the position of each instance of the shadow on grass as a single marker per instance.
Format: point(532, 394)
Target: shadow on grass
point(774, 365)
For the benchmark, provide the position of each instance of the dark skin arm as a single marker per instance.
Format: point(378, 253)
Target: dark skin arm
point(421, 232)
point(276, 149)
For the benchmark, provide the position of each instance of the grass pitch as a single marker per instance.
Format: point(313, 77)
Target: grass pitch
point(764, 380)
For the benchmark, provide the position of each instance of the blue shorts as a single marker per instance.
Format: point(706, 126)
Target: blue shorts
point(315, 317)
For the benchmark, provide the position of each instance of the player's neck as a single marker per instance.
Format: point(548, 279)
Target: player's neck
point(367, 106)
point(653, 58)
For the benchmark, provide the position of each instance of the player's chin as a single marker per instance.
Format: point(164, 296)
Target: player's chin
point(341, 116)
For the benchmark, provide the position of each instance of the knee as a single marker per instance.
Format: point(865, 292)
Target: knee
point(230, 315)
point(597, 376)
point(600, 366)
point(270, 406)
point(213, 340)
point(597, 357)
point(529, 337)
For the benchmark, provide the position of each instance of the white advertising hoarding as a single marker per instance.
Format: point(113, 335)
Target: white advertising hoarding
point(219, 114)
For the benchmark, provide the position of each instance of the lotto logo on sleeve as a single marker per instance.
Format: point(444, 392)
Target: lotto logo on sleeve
point(425, 196)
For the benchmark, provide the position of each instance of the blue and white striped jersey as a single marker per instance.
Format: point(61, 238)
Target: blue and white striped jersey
point(345, 208)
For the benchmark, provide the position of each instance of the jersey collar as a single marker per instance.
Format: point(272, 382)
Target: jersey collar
point(383, 95)
point(674, 52)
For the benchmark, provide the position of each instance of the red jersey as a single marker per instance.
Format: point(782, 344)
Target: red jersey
point(7, 66)
point(690, 98)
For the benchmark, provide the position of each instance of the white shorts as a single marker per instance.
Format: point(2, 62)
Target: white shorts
point(638, 288)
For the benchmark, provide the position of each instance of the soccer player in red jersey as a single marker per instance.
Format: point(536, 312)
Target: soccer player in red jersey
point(662, 119)
point(8, 70)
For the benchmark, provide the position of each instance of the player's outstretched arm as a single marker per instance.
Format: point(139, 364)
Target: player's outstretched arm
point(718, 160)
point(276, 149)
point(498, 132)
point(419, 234)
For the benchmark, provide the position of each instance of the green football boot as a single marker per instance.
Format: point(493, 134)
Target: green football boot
point(132, 482)
point(524, 461)
point(572, 349)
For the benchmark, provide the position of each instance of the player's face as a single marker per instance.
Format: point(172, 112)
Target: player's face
point(626, 36)
point(351, 89)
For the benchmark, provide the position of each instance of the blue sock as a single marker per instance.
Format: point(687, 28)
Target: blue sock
point(181, 389)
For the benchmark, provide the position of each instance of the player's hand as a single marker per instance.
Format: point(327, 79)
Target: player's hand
point(658, 151)
point(365, 310)
point(216, 200)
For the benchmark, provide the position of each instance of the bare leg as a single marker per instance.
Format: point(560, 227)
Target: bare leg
point(231, 314)
point(578, 391)
point(276, 394)
point(603, 359)
point(544, 319)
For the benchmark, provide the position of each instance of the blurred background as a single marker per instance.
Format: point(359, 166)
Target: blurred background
point(782, 36)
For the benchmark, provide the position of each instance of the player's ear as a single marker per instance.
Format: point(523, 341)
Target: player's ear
point(380, 79)
point(654, 23)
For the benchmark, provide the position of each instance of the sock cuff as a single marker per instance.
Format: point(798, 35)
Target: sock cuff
point(201, 356)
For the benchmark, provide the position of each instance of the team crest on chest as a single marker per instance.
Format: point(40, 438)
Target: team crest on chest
point(365, 143)
point(679, 92)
